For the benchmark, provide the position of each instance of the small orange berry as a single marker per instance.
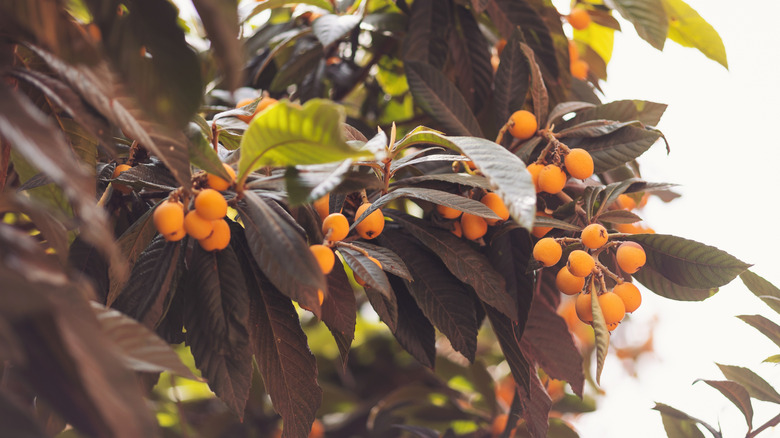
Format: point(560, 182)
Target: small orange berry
point(220, 184)
point(578, 18)
point(448, 212)
point(630, 257)
point(626, 202)
point(264, 103)
point(540, 232)
point(219, 238)
point(196, 226)
point(500, 44)
point(567, 283)
point(176, 235)
point(579, 163)
point(580, 263)
point(534, 169)
point(574, 52)
point(583, 308)
point(317, 428)
point(612, 307)
point(338, 226)
point(579, 69)
point(322, 206)
point(523, 124)
point(122, 188)
point(630, 295)
point(210, 204)
point(168, 217)
point(498, 426)
point(495, 203)
point(359, 280)
point(613, 326)
point(594, 236)
point(325, 257)
point(547, 251)
point(552, 179)
point(372, 225)
point(120, 168)
point(473, 227)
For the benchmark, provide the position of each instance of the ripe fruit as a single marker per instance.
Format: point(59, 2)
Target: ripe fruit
point(473, 227)
point(196, 226)
point(612, 307)
point(219, 238)
point(523, 124)
point(317, 429)
point(264, 103)
point(552, 179)
point(630, 295)
point(594, 236)
point(583, 308)
point(578, 18)
point(613, 326)
point(579, 163)
point(574, 53)
point(448, 212)
point(338, 226)
point(168, 217)
point(119, 169)
point(359, 280)
point(372, 225)
point(626, 202)
point(322, 206)
point(210, 204)
point(580, 263)
point(539, 232)
point(534, 169)
point(630, 257)
point(121, 187)
point(498, 425)
point(220, 184)
point(495, 203)
point(325, 257)
point(457, 229)
point(579, 69)
point(547, 251)
point(568, 283)
point(244, 102)
point(176, 235)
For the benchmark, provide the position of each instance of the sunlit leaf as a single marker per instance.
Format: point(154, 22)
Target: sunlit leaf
point(678, 424)
point(737, 394)
point(601, 334)
point(664, 287)
point(599, 38)
point(330, 28)
point(689, 29)
point(763, 289)
point(648, 18)
point(756, 386)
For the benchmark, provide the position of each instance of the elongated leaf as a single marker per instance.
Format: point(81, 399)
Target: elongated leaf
point(618, 148)
point(471, 56)
point(259, 7)
point(426, 37)
point(386, 307)
point(664, 287)
point(619, 217)
point(755, 385)
point(390, 261)
point(309, 183)
point(689, 29)
point(538, 88)
point(763, 289)
point(505, 329)
point(648, 18)
point(463, 179)
point(764, 325)
point(676, 425)
point(220, 20)
point(366, 269)
point(216, 317)
point(601, 334)
point(330, 28)
point(285, 134)
point(512, 79)
point(509, 256)
point(595, 128)
point(564, 108)
point(646, 112)
point(465, 264)
point(737, 394)
point(302, 67)
point(339, 310)
point(141, 348)
point(437, 197)
point(536, 405)
point(132, 243)
point(399, 164)
point(414, 332)
point(273, 243)
point(201, 152)
point(689, 263)
point(438, 97)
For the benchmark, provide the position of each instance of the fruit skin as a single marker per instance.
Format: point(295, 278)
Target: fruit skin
point(579, 163)
point(547, 251)
point(219, 238)
point(168, 217)
point(579, 69)
point(612, 307)
point(176, 235)
point(579, 18)
point(121, 187)
point(534, 169)
point(196, 226)
point(210, 204)
point(540, 232)
point(322, 206)
point(630, 295)
point(523, 124)
point(264, 103)
point(325, 257)
point(448, 212)
point(495, 203)
point(594, 236)
point(339, 225)
point(359, 280)
point(630, 257)
point(580, 263)
point(567, 283)
point(626, 202)
point(583, 308)
point(220, 184)
point(474, 227)
point(552, 179)
point(372, 225)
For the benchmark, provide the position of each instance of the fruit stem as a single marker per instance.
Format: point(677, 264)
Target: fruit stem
point(215, 137)
point(353, 247)
point(606, 271)
point(363, 196)
point(502, 131)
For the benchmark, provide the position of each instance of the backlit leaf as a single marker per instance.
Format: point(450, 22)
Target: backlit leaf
point(764, 325)
point(689, 29)
point(756, 386)
point(601, 334)
point(737, 394)
point(664, 287)
point(330, 28)
point(599, 38)
point(648, 18)
point(763, 289)
point(678, 424)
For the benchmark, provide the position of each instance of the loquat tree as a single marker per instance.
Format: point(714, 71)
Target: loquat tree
point(329, 218)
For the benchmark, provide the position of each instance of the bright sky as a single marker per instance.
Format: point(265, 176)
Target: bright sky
point(725, 159)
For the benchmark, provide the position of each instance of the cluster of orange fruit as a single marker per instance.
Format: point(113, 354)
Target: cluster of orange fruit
point(205, 222)
point(579, 19)
point(583, 263)
point(470, 226)
point(551, 177)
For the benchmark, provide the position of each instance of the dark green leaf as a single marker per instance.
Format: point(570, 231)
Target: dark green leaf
point(339, 310)
point(19, 421)
point(509, 254)
point(132, 243)
point(595, 128)
point(426, 36)
point(763, 289)
point(755, 385)
point(309, 183)
point(51, 225)
point(454, 178)
point(619, 217)
point(403, 162)
point(646, 112)
point(536, 405)
point(366, 269)
point(147, 176)
point(512, 79)
point(418, 431)
point(618, 148)
point(564, 108)
point(202, 154)
point(390, 261)
point(438, 97)
point(437, 197)
point(413, 331)
point(330, 28)
point(737, 394)
point(471, 56)
point(664, 287)
point(505, 329)
point(678, 424)
point(220, 20)
point(689, 263)
point(538, 88)
point(648, 17)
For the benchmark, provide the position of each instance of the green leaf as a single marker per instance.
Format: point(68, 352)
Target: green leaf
point(599, 38)
point(339, 310)
point(505, 329)
point(646, 112)
point(764, 325)
point(756, 386)
point(678, 424)
point(689, 29)
point(330, 28)
point(366, 269)
point(664, 287)
point(763, 289)
point(451, 200)
point(414, 331)
point(601, 334)
point(512, 79)
point(613, 150)
point(737, 394)
point(202, 154)
point(426, 33)
point(687, 262)
point(287, 135)
point(648, 18)
point(440, 99)
point(773, 359)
